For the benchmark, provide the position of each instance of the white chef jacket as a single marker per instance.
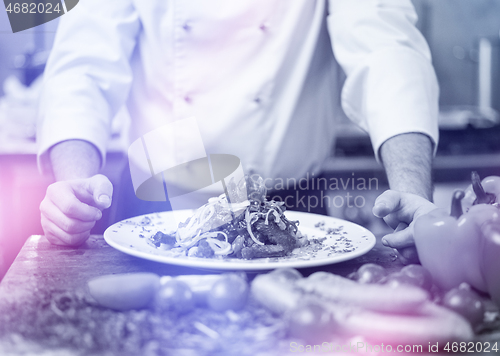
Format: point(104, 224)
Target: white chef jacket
point(261, 77)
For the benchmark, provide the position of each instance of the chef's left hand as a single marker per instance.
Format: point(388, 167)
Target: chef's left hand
point(399, 211)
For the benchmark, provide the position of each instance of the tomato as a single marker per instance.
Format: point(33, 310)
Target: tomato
point(464, 301)
point(286, 275)
point(175, 296)
point(419, 274)
point(370, 273)
point(310, 322)
point(230, 292)
point(397, 279)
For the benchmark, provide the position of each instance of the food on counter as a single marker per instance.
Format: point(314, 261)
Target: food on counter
point(124, 291)
point(200, 285)
point(179, 294)
point(311, 321)
point(220, 292)
point(463, 247)
point(280, 294)
point(462, 300)
point(486, 191)
point(369, 296)
point(230, 292)
point(398, 279)
point(429, 323)
point(175, 295)
point(72, 323)
point(376, 312)
point(465, 302)
point(277, 290)
point(370, 273)
point(248, 229)
point(283, 307)
point(491, 260)
point(418, 275)
point(413, 274)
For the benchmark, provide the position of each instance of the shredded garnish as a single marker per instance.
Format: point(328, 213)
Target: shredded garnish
point(248, 218)
point(220, 228)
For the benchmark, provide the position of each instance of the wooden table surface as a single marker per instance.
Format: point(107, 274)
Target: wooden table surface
point(41, 269)
point(43, 266)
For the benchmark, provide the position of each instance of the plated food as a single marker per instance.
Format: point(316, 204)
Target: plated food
point(247, 226)
point(246, 232)
point(221, 229)
point(329, 240)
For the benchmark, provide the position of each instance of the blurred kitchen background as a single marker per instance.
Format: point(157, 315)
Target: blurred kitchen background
point(464, 37)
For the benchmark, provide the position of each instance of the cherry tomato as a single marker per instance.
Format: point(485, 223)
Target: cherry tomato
point(397, 279)
point(175, 296)
point(228, 293)
point(310, 322)
point(465, 302)
point(286, 275)
point(419, 274)
point(370, 273)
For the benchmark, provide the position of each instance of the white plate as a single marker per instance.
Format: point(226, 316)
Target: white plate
point(345, 241)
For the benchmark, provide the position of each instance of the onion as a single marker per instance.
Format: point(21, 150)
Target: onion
point(219, 247)
point(248, 218)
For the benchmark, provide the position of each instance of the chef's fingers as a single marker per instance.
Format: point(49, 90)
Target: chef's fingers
point(392, 220)
point(67, 224)
point(60, 195)
point(59, 237)
point(386, 203)
point(408, 255)
point(53, 240)
point(101, 190)
point(402, 237)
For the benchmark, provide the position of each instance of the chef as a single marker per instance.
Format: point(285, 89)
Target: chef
point(261, 77)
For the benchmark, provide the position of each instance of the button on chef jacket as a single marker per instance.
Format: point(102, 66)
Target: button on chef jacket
point(261, 77)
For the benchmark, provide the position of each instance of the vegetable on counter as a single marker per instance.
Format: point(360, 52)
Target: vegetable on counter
point(276, 290)
point(465, 302)
point(316, 309)
point(374, 297)
point(124, 291)
point(491, 257)
point(464, 247)
point(370, 273)
point(311, 321)
point(377, 312)
point(175, 296)
point(486, 191)
point(415, 275)
point(230, 292)
point(180, 294)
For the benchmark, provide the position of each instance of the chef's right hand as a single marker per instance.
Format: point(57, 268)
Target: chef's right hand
point(399, 210)
point(72, 207)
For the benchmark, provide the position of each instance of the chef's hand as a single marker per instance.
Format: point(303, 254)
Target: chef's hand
point(72, 207)
point(399, 211)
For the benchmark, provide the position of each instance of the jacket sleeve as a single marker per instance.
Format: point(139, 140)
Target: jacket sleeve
point(391, 87)
point(88, 75)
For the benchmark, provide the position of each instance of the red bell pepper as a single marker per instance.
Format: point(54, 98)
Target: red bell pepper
point(486, 191)
point(491, 257)
point(458, 248)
